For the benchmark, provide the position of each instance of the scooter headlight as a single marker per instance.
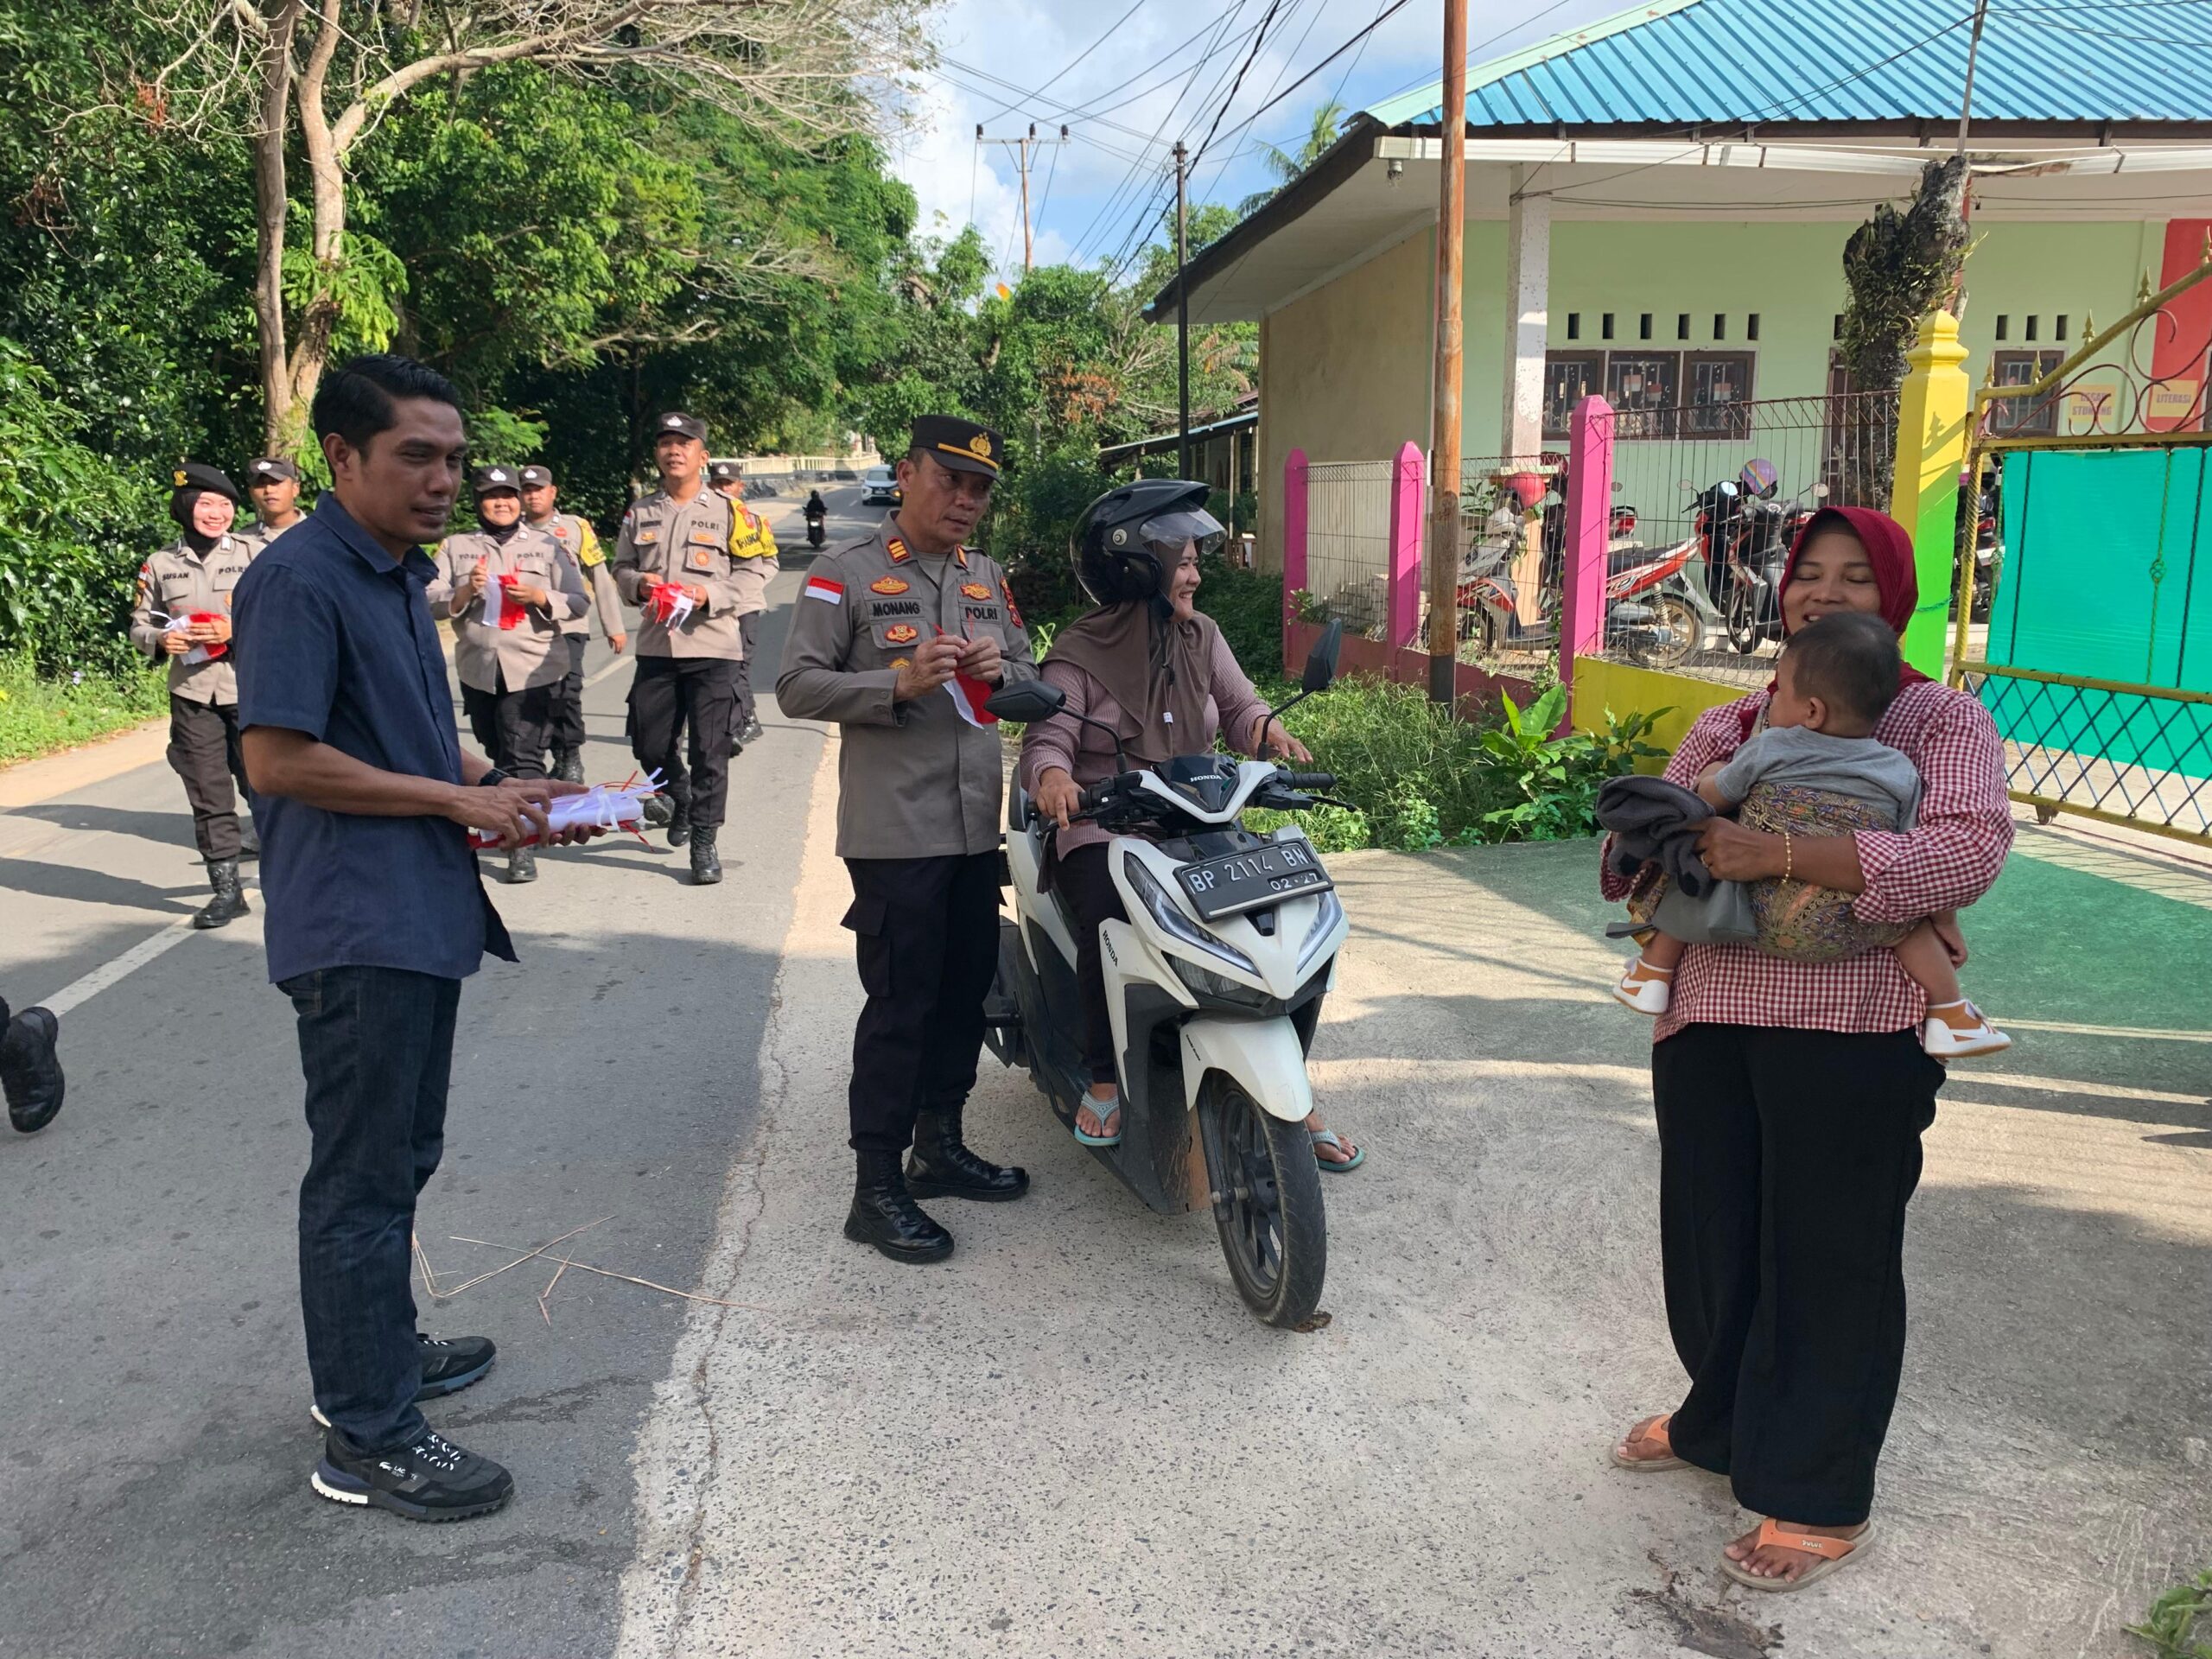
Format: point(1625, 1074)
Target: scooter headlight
point(1174, 923)
point(1206, 984)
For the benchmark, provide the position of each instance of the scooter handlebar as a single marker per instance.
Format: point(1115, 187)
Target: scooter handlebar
point(1306, 782)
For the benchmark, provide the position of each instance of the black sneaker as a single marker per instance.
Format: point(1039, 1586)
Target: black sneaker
point(431, 1480)
point(449, 1364)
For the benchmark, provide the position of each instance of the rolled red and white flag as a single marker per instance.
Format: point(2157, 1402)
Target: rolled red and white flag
point(823, 587)
point(969, 695)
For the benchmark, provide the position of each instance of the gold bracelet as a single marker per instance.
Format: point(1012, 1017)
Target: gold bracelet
point(1789, 856)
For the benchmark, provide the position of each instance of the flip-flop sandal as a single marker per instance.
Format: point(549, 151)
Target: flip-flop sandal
point(1832, 1553)
point(1333, 1165)
point(1102, 1110)
point(1651, 1429)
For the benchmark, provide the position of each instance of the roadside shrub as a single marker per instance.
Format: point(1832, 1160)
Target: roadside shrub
point(1248, 606)
point(1417, 778)
point(42, 713)
point(68, 562)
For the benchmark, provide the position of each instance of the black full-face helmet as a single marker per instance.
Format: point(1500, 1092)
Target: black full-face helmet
point(1130, 539)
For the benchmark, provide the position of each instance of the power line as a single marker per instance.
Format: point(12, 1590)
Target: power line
point(1258, 40)
point(1111, 30)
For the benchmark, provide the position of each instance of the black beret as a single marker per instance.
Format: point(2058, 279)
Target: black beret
point(680, 425)
point(270, 467)
point(962, 445)
point(486, 480)
point(195, 476)
point(536, 477)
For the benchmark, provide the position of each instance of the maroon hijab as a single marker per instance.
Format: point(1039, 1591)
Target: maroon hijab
point(1889, 550)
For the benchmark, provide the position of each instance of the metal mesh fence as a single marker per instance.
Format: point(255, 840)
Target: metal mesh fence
point(1348, 543)
point(1669, 468)
point(2116, 753)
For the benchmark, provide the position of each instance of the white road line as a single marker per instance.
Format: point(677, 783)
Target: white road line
point(592, 680)
point(129, 962)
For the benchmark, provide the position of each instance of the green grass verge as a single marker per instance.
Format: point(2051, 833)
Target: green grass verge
point(2170, 1626)
point(39, 715)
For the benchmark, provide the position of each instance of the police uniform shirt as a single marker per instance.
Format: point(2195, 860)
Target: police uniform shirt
point(916, 780)
point(177, 581)
point(754, 547)
point(690, 543)
point(582, 543)
point(523, 654)
point(258, 535)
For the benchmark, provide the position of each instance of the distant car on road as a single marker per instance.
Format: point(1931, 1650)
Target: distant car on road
point(878, 488)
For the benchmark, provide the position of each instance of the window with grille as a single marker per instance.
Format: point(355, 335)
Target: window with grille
point(1715, 386)
point(2020, 416)
point(1569, 377)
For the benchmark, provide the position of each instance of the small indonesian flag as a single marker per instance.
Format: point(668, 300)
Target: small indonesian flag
point(822, 588)
point(197, 654)
point(969, 695)
point(669, 603)
point(500, 610)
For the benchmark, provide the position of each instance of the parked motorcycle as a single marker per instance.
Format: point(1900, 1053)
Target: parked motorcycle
point(1754, 562)
point(1215, 984)
point(1988, 548)
point(1649, 614)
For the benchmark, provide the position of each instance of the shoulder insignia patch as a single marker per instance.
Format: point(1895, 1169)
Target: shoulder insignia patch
point(898, 550)
point(887, 585)
point(902, 633)
point(975, 590)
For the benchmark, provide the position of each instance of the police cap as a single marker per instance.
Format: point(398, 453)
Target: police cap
point(724, 472)
point(486, 480)
point(192, 475)
point(675, 423)
point(961, 445)
point(536, 477)
point(267, 469)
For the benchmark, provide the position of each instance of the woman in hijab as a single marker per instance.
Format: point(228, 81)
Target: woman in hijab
point(1152, 666)
point(1790, 1098)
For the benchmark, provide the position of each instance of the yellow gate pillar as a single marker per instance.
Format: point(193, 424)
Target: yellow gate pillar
point(1932, 418)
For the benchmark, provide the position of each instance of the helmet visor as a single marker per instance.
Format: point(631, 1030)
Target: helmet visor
point(1166, 534)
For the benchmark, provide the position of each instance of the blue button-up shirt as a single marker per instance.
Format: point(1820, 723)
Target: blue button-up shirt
point(334, 638)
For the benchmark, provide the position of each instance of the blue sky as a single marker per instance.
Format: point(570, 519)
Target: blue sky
point(1148, 78)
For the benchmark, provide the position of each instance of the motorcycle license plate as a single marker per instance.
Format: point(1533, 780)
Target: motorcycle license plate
point(1240, 881)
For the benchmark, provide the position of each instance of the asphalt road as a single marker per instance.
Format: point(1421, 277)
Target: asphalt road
point(156, 1444)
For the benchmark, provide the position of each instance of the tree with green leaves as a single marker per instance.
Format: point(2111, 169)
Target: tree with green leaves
point(1321, 135)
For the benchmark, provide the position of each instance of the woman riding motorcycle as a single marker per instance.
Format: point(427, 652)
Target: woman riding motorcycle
point(817, 510)
point(1148, 665)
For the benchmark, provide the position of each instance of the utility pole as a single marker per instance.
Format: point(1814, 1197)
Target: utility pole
point(1443, 438)
point(1182, 320)
point(1966, 121)
point(1025, 149)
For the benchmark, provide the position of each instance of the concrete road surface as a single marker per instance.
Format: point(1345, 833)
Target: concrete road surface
point(1070, 1439)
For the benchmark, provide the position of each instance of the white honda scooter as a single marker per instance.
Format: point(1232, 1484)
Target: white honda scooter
point(1214, 985)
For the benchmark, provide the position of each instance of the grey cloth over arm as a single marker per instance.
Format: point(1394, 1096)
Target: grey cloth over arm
point(1653, 821)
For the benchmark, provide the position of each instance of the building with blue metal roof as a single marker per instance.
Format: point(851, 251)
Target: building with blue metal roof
point(1657, 204)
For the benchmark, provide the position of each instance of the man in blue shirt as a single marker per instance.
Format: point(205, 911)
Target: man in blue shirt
point(375, 910)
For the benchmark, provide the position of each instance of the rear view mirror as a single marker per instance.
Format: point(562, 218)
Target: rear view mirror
point(1026, 702)
point(1819, 492)
point(1321, 661)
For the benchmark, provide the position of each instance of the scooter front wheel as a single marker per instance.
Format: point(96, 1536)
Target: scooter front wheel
point(1267, 1203)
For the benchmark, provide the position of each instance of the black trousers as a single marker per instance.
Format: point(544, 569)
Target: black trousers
point(204, 752)
point(1786, 1159)
point(1085, 876)
point(376, 1046)
point(512, 727)
point(749, 631)
point(926, 931)
point(694, 696)
point(567, 731)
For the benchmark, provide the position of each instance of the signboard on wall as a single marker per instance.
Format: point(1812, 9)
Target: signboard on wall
point(2092, 407)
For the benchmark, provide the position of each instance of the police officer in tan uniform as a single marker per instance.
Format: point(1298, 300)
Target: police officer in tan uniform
point(896, 638)
point(273, 482)
point(676, 560)
point(580, 544)
point(508, 588)
point(755, 547)
point(183, 612)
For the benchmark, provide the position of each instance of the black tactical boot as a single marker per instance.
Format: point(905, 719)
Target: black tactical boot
point(679, 824)
point(521, 865)
point(229, 903)
point(659, 812)
point(884, 1214)
point(736, 744)
point(249, 843)
point(30, 1067)
point(942, 1167)
point(706, 868)
point(569, 765)
point(752, 734)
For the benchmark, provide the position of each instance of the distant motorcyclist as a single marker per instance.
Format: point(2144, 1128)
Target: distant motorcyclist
point(817, 510)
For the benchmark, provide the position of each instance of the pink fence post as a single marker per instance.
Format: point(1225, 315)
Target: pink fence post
point(1293, 542)
point(1409, 488)
point(1589, 519)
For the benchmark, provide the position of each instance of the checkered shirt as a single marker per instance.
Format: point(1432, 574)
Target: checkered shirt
point(1945, 863)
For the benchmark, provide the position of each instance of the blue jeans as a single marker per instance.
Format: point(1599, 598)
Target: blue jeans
point(375, 1044)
